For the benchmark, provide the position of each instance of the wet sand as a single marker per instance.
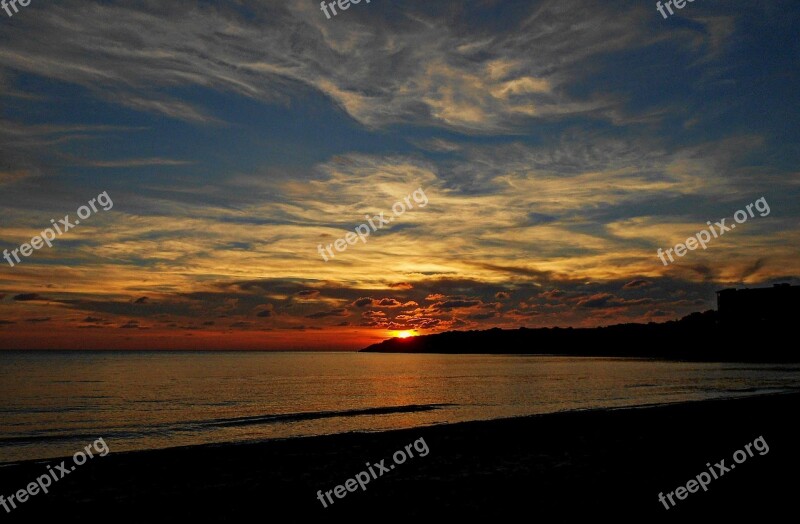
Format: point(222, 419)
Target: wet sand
point(555, 466)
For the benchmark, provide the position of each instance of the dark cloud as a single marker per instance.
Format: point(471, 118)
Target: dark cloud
point(458, 323)
point(636, 284)
point(364, 301)
point(383, 302)
point(333, 313)
point(265, 310)
point(452, 304)
point(482, 316)
point(752, 269)
point(388, 302)
point(598, 300)
point(484, 305)
point(26, 297)
point(539, 218)
point(516, 270)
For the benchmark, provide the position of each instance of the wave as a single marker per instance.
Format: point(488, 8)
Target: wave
point(202, 425)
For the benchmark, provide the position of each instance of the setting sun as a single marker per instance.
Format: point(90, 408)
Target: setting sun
point(404, 334)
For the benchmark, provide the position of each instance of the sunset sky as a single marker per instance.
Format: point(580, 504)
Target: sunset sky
point(559, 144)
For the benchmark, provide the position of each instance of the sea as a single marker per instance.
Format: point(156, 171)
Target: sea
point(53, 404)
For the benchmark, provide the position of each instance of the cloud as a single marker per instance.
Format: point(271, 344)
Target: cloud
point(382, 302)
point(364, 301)
point(8, 177)
point(455, 304)
point(137, 162)
point(265, 310)
point(27, 150)
point(333, 313)
point(387, 302)
point(482, 316)
point(517, 270)
point(396, 64)
point(597, 300)
point(28, 297)
point(438, 145)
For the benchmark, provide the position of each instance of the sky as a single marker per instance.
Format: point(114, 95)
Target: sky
point(558, 146)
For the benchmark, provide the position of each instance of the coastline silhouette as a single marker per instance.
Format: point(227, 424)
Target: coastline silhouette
point(737, 332)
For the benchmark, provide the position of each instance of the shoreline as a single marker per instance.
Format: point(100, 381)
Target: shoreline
point(565, 463)
point(520, 418)
point(714, 338)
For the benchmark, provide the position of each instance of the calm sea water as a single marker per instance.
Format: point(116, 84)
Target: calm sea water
point(53, 404)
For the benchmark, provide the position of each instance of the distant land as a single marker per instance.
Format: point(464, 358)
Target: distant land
point(695, 337)
point(704, 336)
point(751, 325)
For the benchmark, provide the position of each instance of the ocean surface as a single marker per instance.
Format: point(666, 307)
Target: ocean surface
point(54, 404)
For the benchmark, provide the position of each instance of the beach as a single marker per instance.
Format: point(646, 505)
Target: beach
point(579, 463)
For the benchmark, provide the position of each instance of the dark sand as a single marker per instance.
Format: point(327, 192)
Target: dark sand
point(549, 467)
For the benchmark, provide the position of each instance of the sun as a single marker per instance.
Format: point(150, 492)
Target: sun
point(404, 334)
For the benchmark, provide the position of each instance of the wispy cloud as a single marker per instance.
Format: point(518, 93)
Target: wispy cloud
point(138, 162)
point(398, 63)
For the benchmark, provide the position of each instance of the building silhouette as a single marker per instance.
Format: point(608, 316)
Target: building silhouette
point(770, 304)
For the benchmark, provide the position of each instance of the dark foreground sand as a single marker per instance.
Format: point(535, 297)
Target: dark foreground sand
point(550, 467)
